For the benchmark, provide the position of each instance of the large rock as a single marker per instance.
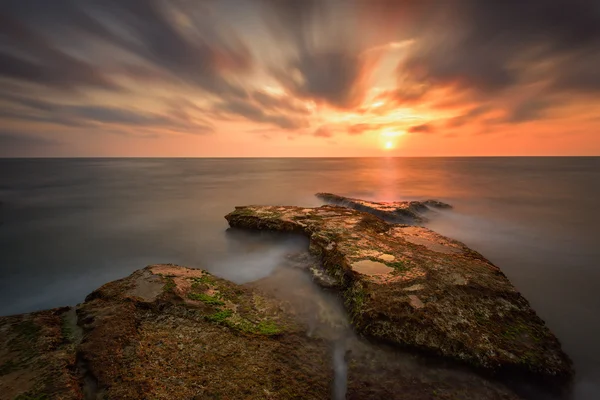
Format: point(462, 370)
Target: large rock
point(409, 286)
point(406, 212)
point(170, 332)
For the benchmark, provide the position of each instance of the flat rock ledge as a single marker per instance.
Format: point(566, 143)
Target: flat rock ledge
point(410, 286)
point(405, 212)
point(171, 332)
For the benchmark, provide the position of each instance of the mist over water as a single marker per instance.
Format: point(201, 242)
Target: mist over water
point(68, 226)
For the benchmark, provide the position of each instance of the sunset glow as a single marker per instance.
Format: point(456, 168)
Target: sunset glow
point(306, 78)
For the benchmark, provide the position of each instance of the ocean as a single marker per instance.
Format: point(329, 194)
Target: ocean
point(67, 226)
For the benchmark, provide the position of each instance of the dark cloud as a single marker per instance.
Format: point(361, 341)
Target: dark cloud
point(335, 78)
point(114, 115)
point(579, 73)
point(87, 116)
point(147, 29)
point(423, 128)
point(468, 117)
point(8, 138)
point(529, 110)
point(254, 113)
point(492, 46)
point(17, 144)
point(26, 55)
point(281, 103)
point(328, 64)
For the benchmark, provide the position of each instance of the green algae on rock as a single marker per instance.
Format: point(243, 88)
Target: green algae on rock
point(410, 286)
point(407, 212)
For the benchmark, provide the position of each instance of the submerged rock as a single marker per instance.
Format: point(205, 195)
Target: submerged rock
point(410, 286)
point(170, 332)
point(406, 212)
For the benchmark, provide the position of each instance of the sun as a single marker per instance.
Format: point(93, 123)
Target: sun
point(389, 138)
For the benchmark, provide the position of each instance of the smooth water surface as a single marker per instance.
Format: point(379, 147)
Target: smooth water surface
point(70, 225)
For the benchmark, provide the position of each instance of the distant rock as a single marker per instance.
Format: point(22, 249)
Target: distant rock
point(406, 212)
point(412, 287)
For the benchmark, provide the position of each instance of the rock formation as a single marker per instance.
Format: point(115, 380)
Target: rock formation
point(170, 332)
point(410, 286)
point(405, 212)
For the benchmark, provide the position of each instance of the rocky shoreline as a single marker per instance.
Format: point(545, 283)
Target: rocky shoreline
point(171, 332)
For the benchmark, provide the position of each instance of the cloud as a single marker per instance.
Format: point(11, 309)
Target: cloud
point(529, 110)
point(333, 69)
point(254, 113)
point(489, 45)
point(28, 56)
point(11, 138)
point(150, 31)
point(359, 129)
point(323, 132)
point(578, 74)
point(157, 67)
point(335, 78)
point(423, 128)
point(468, 117)
point(91, 115)
point(516, 59)
point(280, 103)
point(13, 143)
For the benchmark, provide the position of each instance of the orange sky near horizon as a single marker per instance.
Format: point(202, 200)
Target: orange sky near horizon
point(271, 78)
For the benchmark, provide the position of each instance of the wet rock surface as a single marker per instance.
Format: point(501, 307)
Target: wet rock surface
point(406, 212)
point(170, 332)
point(409, 286)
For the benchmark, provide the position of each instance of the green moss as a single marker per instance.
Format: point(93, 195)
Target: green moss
point(268, 328)
point(244, 325)
point(211, 300)
point(169, 285)
point(398, 265)
point(355, 298)
point(205, 279)
point(220, 316)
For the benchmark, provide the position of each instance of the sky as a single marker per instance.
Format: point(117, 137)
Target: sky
point(299, 78)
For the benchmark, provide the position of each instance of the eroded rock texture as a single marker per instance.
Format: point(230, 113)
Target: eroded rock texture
point(170, 332)
point(410, 286)
point(37, 356)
